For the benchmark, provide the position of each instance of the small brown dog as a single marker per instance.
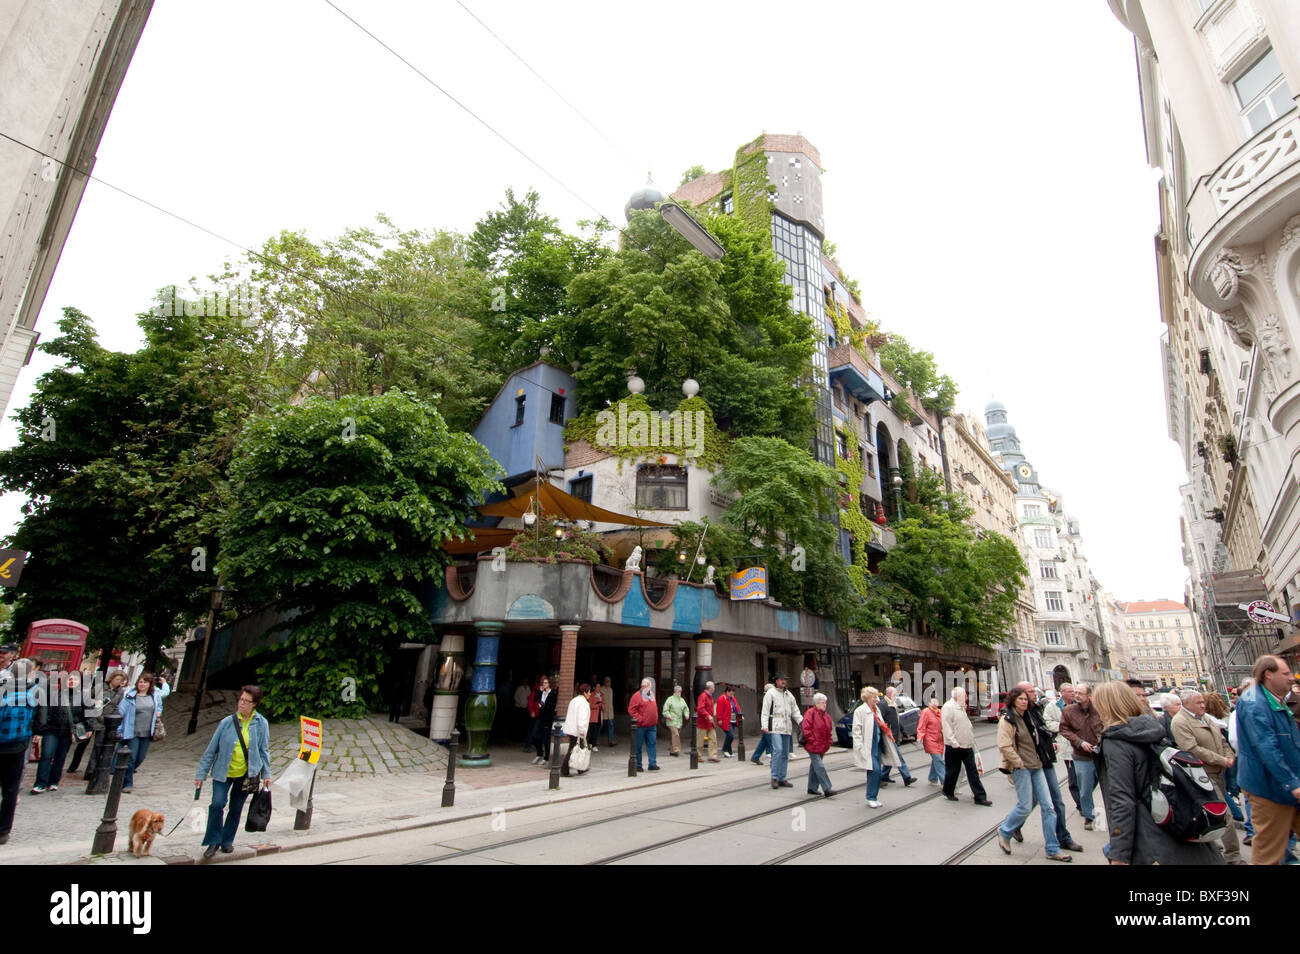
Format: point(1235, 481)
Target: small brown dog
point(145, 825)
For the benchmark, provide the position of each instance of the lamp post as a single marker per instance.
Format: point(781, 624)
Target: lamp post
point(691, 230)
point(218, 597)
point(898, 491)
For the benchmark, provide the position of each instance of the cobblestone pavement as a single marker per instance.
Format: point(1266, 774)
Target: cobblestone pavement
point(374, 776)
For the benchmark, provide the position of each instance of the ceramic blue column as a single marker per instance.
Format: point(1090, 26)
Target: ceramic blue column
point(481, 707)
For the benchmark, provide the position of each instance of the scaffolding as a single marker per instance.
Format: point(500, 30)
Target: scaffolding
point(1233, 639)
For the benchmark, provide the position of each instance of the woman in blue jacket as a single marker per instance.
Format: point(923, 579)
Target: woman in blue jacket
point(140, 709)
point(232, 764)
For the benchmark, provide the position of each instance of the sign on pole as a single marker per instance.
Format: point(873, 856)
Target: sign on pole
point(310, 736)
point(11, 566)
point(1261, 611)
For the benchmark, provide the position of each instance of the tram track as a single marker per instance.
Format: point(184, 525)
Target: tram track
point(783, 808)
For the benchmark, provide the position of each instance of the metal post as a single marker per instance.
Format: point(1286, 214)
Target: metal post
point(105, 743)
point(556, 735)
point(633, 750)
point(740, 736)
point(202, 680)
point(106, 833)
point(302, 820)
point(695, 752)
point(449, 786)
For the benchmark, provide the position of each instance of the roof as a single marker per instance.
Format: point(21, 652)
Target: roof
point(1153, 606)
point(702, 188)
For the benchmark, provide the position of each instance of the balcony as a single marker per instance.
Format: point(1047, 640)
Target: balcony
point(855, 374)
point(1247, 199)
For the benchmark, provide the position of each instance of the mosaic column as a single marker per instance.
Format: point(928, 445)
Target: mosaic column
point(481, 706)
point(446, 690)
point(568, 666)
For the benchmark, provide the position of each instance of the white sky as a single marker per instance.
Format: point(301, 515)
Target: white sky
point(985, 181)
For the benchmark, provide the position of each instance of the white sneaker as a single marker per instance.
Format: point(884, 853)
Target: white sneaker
point(874, 804)
point(726, 755)
point(594, 749)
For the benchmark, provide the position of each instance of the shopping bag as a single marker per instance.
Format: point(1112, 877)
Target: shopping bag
point(979, 762)
point(259, 811)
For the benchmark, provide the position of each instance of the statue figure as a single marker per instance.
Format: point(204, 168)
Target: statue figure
point(708, 575)
point(634, 561)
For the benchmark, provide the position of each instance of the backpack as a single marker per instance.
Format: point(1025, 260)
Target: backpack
point(1183, 801)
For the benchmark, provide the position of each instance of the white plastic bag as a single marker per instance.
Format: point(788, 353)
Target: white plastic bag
point(296, 780)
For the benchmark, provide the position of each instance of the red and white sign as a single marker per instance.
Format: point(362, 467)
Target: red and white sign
point(1261, 611)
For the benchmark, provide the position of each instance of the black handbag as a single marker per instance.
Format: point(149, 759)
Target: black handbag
point(259, 811)
point(250, 780)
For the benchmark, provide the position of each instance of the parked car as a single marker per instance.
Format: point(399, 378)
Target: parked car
point(994, 709)
point(909, 714)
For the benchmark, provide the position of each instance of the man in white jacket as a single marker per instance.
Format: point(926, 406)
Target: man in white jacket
point(779, 717)
point(959, 748)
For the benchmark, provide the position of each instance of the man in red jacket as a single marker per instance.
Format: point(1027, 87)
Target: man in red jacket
point(644, 712)
point(725, 705)
point(817, 731)
point(704, 716)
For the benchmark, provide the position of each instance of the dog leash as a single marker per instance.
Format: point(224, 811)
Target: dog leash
point(183, 817)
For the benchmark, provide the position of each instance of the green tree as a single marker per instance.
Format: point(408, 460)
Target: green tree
point(122, 457)
point(528, 262)
point(378, 310)
point(694, 172)
point(660, 309)
point(959, 583)
point(339, 509)
point(917, 370)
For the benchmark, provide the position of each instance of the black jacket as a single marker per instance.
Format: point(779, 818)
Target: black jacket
point(1042, 738)
point(546, 712)
point(889, 712)
point(1127, 770)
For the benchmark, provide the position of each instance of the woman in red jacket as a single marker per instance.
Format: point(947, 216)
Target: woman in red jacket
point(929, 732)
point(817, 730)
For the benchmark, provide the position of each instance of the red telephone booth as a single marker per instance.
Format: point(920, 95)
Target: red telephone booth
point(56, 643)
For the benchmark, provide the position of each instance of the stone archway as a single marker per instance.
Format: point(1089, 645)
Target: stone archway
point(1060, 676)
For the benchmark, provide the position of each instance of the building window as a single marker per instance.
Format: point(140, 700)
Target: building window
point(1043, 539)
point(580, 487)
point(557, 409)
point(1033, 510)
point(661, 487)
point(1047, 570)
point(1262, 93)
point(519, 409)
point(728, 204)
point(1052, 637)
point(841, 446)
point(1055, 603)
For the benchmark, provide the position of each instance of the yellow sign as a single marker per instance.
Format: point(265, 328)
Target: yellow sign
point(749, 584)
point(310, 735)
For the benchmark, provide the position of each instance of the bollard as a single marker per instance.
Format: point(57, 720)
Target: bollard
point(556, 736)
point(740, 735)
point(106, 833)
point(695, 752)
point(105, 743)
point(633, 750)
point(302, 820)
point(449, 786)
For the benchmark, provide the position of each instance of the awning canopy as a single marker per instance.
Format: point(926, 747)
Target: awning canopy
point(480, 539)
point(554, 501)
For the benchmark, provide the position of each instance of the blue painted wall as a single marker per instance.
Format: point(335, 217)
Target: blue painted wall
point(516, 448)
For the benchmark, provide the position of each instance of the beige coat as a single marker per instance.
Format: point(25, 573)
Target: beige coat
point(957, 730)
point(1202, 740)
point(864, 728)
point(1016, 743)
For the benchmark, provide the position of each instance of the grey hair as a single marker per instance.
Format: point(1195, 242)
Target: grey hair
point(819, 697)
point(1189, 694)
point(647, 681)
point(1169, 697)
point(1066, 685)
point(957, 689)
point(891, 691)
point(708, 685)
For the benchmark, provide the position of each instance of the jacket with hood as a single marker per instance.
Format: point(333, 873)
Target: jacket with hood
point(1017, 741)
point(1127, 769)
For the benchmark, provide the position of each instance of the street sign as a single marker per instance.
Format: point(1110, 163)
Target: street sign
point(310, 734)
point(11, 566)
point(1261, 611)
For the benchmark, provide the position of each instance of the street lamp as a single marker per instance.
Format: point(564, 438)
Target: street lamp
point(691, 230)
point(898, 491)
point(218, 596)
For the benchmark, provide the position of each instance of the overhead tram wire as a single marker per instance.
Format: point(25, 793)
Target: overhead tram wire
point(502, 136)
point(258, 256)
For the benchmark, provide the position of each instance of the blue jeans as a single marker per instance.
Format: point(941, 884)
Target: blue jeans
point(903, 770)
point(645, 735)
point(937, 771)
point(139, 749)
point(609, 732)
point(219, 832)
point(1086, 772)
point(764, 745)
point(1031, 784)
point(874, 774)
point(817, 774)
point(780, 754)
point(727, 739)
point(54, 752)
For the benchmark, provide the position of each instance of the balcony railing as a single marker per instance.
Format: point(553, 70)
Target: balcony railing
point(855, 373)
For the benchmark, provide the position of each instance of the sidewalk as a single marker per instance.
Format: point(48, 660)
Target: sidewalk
point(375, 777)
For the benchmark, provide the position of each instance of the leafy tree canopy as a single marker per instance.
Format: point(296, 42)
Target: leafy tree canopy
point(917, 370)
point(694, 172)
point(339, 509)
